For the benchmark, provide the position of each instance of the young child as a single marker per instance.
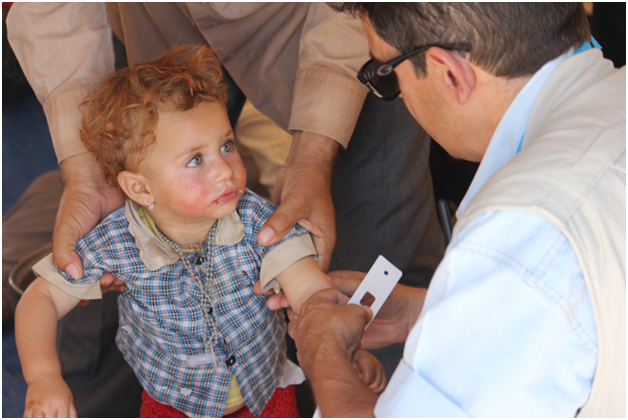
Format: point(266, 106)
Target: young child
point(200, 341)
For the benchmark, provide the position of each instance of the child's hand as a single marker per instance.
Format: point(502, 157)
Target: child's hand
point(370, 370)
point(275, 301)
point(49, 396)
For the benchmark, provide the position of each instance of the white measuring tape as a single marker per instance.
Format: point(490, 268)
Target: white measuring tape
point(379, 282)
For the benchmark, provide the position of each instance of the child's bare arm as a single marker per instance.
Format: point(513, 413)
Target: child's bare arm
point(36, 316)
point(301, 280)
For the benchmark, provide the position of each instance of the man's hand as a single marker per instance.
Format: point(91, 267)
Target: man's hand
point(370, 370)
point(327, 333)
point(303, 192)
point(328, 327)
point(396, 317)
point(86, 200)
point(392, 323)
point(49, 396)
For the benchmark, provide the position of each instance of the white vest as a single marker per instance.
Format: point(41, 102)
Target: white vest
point(572, 171)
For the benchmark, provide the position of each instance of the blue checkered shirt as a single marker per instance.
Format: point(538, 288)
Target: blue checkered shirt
point(161, 321)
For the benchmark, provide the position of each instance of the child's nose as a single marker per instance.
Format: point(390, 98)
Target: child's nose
point(221, 171)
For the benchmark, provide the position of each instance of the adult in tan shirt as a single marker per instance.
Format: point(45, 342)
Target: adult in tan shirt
point(296, 63)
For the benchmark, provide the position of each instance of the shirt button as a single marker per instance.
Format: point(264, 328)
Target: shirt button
point(210, 311)
point(200, 260)
point(231, 361)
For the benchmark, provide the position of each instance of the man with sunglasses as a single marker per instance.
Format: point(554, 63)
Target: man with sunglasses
point(525, 316)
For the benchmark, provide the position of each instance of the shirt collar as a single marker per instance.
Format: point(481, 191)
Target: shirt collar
point(155, 254)
point(510, 130)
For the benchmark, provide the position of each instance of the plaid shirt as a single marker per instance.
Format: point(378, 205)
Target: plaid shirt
point(161, 322)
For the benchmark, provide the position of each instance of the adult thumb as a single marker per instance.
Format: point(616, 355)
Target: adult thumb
point(64, 253)
point(279, 223)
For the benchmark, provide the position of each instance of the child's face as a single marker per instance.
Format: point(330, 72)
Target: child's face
point(194, 170)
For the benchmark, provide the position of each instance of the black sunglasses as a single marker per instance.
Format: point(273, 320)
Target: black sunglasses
point(381, 78)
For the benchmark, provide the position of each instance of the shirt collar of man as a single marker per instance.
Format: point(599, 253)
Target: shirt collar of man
point(508, 134)
point(155, 253)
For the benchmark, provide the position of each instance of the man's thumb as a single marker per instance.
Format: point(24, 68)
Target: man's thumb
point(65, 257)
point(277, 225)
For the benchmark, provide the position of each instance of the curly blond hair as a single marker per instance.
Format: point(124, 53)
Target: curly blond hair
point(120, 117)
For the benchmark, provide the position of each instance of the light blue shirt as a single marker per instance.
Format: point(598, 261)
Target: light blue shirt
point(507, 328)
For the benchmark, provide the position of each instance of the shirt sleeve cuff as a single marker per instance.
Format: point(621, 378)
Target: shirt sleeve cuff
point(282, 257)
point(64, 120)
point(326, 103)
point(409, 395)
point(49, 271)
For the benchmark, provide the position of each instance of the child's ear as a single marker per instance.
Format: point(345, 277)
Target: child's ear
point(135, 186)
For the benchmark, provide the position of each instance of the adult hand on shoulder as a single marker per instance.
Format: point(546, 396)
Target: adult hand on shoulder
point(396, 317)
point(86, 200)
point(303, 192)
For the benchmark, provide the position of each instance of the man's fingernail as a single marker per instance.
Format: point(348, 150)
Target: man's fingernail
point(266, 235)
point(71, 270)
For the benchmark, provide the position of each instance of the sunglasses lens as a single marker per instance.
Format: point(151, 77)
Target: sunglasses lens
point(386, 86)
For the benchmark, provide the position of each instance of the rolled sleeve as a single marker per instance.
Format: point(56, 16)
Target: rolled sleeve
point(283, 256)
point(65, 51)
point(49, 271)
point(326, 103)
point(64, 119)
point(410, 395)
point(328, 97)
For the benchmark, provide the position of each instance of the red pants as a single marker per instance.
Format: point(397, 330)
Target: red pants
point(282, 404)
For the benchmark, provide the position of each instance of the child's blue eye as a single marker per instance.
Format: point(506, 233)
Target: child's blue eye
point(195, 161)
point(227, 147)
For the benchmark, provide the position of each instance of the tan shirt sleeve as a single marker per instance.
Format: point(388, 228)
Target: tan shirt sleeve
point(282, 257)
point(328, 97)
point(49, 271)
point(65, 51)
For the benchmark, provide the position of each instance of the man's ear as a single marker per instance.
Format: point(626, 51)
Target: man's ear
point(456, 72)
point(135, 186)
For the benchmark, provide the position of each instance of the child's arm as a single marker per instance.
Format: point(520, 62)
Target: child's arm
point(36, 316)
point(301, 280)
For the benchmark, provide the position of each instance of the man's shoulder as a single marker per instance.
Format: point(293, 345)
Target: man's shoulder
point(585, 94)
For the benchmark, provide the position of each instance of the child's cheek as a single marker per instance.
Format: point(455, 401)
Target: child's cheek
point(193, 198)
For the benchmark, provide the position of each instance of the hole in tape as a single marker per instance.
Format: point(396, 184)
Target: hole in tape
point(367, 300)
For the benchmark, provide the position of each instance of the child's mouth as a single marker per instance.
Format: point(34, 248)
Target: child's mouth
point(225, 198)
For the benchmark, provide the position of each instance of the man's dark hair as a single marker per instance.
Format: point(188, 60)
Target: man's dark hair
point(506, 39)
